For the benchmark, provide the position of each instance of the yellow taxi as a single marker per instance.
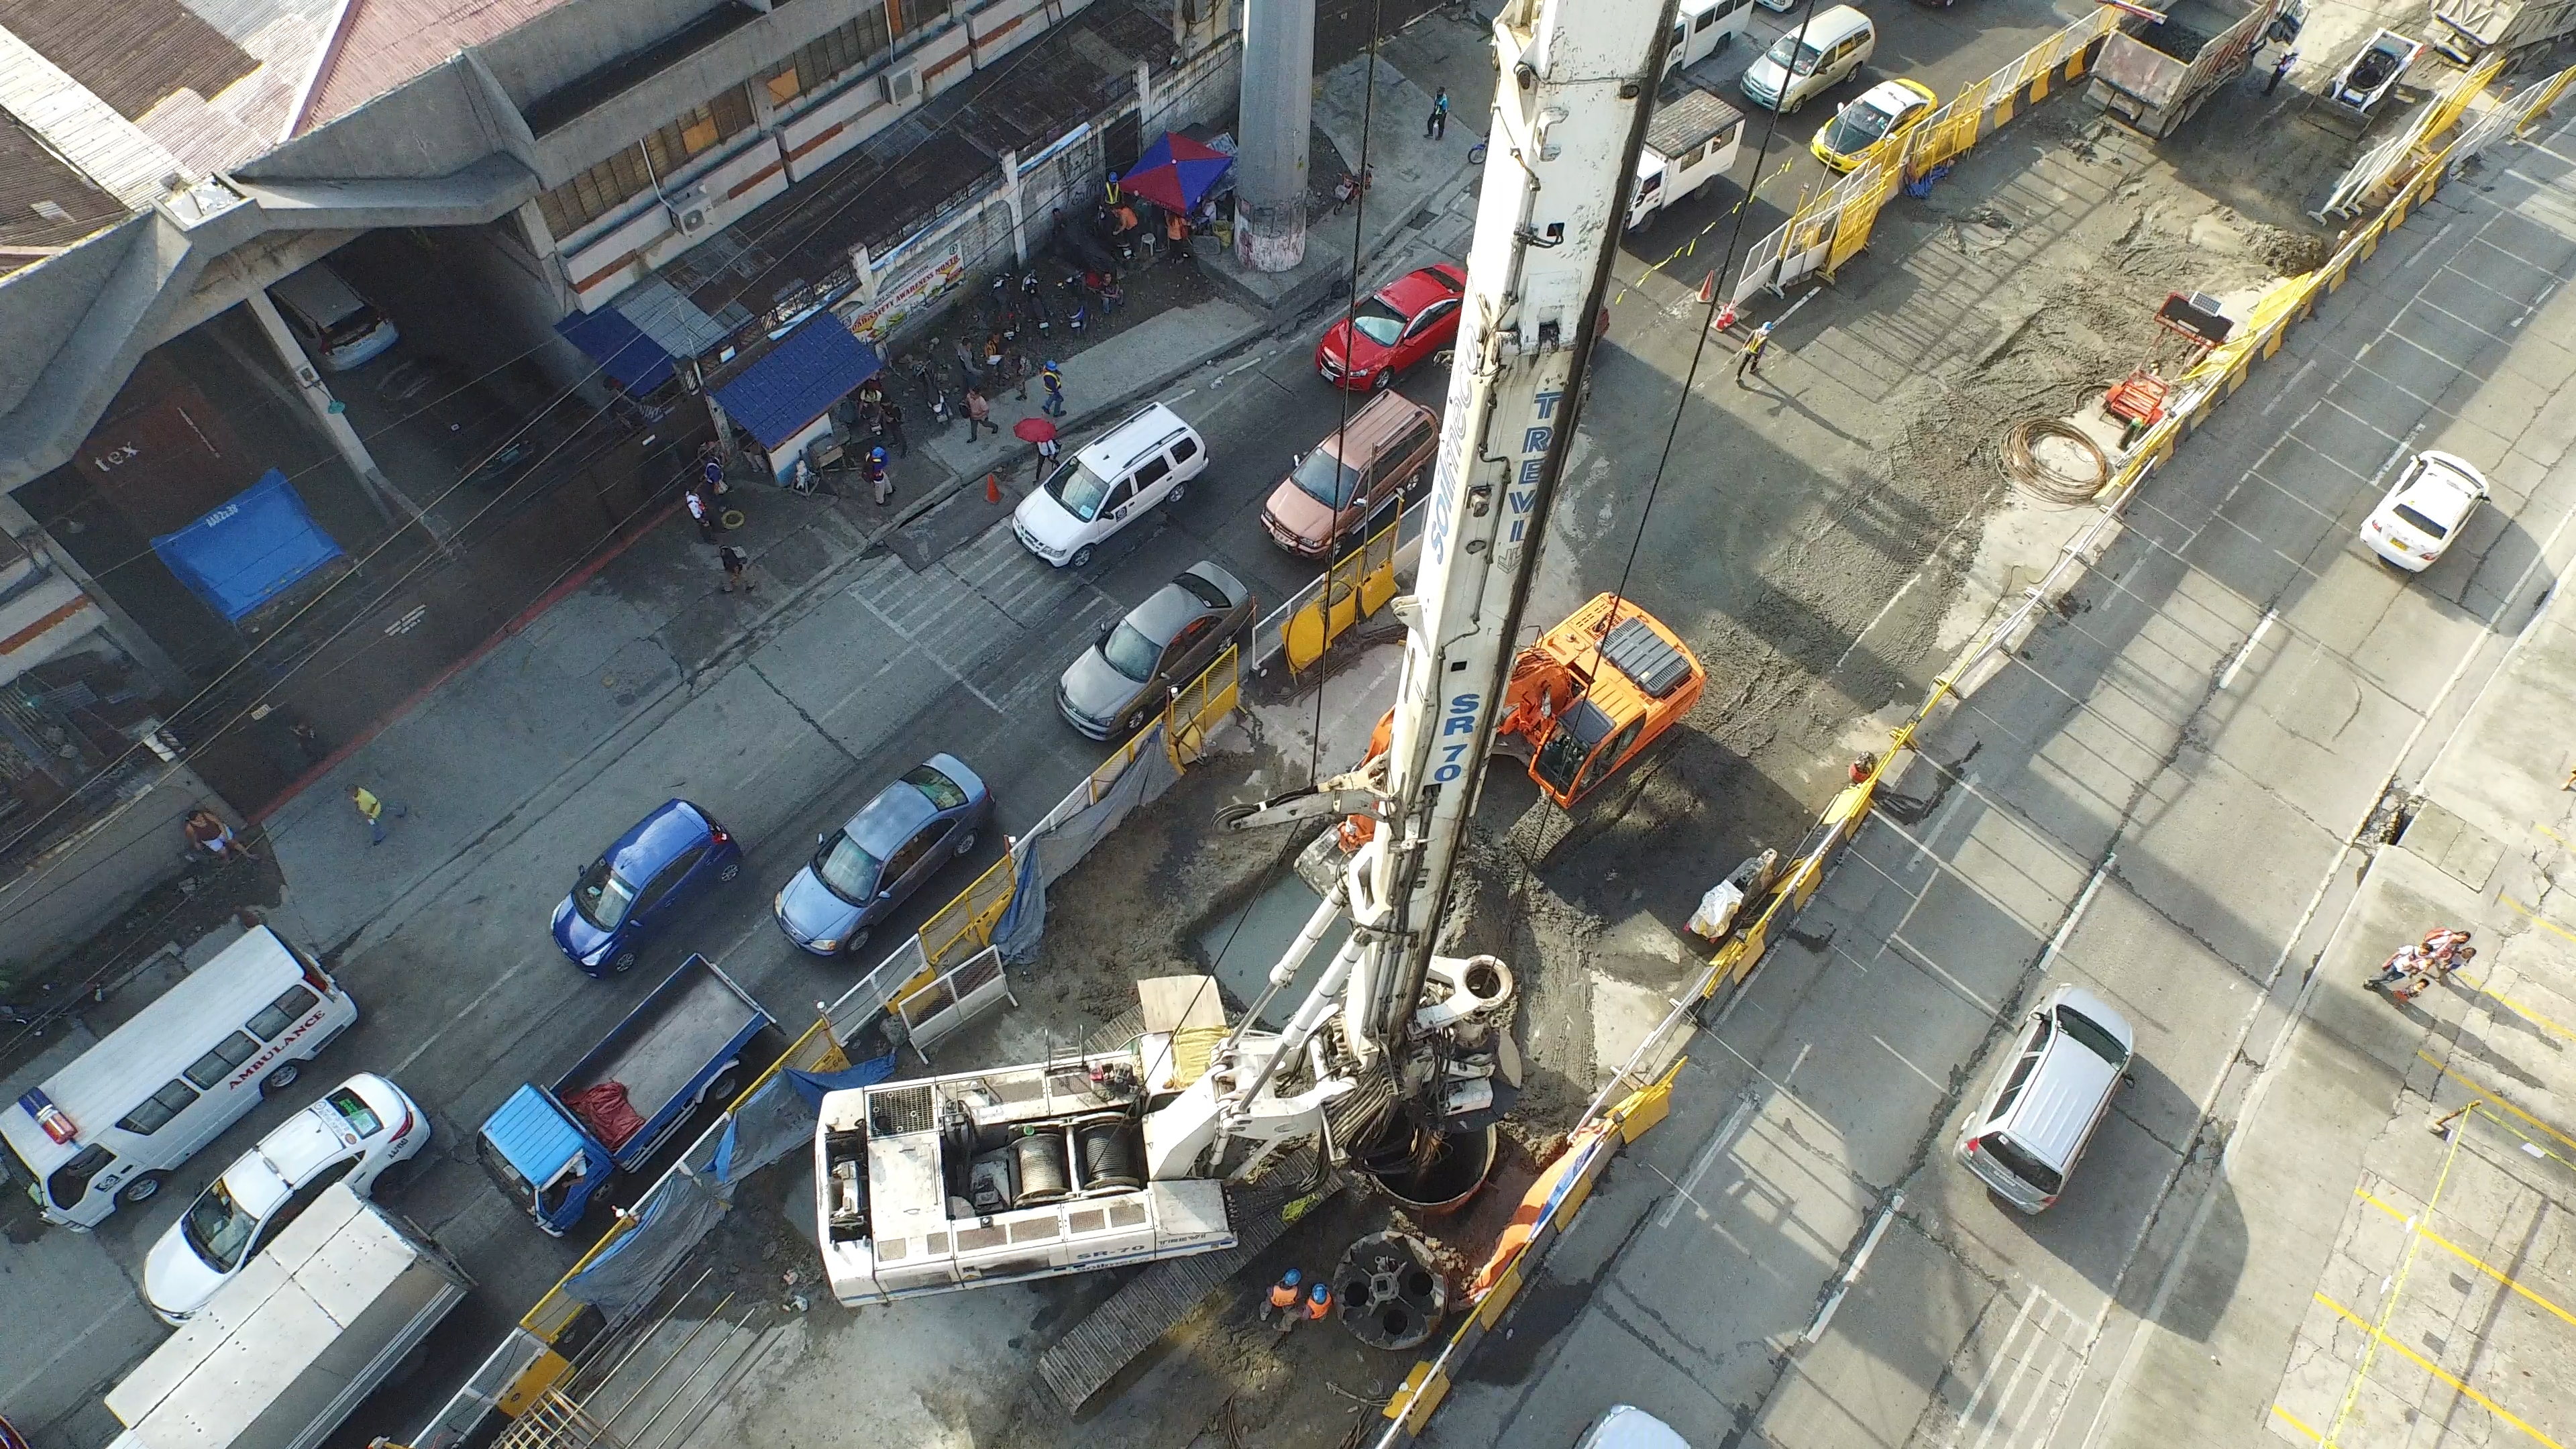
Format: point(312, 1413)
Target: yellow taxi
point(1880, 117)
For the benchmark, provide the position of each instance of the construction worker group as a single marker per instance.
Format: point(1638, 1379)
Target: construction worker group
point(1288, 1303)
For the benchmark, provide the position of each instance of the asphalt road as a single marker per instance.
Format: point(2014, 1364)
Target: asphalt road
point(2152, 799)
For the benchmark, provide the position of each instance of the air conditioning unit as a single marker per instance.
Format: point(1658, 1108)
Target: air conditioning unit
point(901, 86)
point(691, 210)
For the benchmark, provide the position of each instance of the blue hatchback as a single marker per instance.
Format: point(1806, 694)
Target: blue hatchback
point(638, 882)
point(860, 873)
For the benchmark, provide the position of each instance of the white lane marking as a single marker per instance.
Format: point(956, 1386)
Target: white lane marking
point(1892, 601)
point(1727, 1132)
point(2432, 242)
point(944, 666)
point(2400, 451)
point(2057, 943)
point(1968, 1410)
point(2252, 642)
point(2536, 304)
point(1877, 1230)
point(2291, 386)
point(431, 1040)
point(1909, 1063)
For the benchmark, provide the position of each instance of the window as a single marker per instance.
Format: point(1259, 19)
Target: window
point(302, 1199)
point(2012, 1088)
point(70, 1182)
point(1606, 758)
point(831, 54)
point(915, 850)
point(1119, 497)
point(174, 1098)
point(353, 1109)
point(942, 792)
point(1152, 473)
point(2018, 1161)
point(635, 170)
point(1184, 450)
point(211, 1069)
point(284, 1012)
point(1705, 21)
point(2096, 1038)
point(671, 875)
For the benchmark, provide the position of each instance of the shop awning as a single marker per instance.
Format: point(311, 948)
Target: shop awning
point(250, 550)
point(637, 362)
point(778, 392)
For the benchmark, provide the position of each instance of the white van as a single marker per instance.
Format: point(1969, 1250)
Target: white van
point(1691, 140)
point(339, 328)
point(1811, 59)
point(1145, 460)
point(109, 1127)
point(2023, 1138)
point(1702, 28)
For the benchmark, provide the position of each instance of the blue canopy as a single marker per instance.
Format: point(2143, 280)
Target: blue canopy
point(782, 390)
point(1176, 171)
point(637, 362)
point(250, 550)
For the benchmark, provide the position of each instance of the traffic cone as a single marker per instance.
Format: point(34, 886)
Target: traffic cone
point(1726, 317)
point(1708, 289)
point(992, 487)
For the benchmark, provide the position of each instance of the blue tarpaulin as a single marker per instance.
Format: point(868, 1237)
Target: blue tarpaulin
point(249, 551)
point(637, 362)
point(778, 393)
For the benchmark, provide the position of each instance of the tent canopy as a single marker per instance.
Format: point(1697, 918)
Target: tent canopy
point(776, 394)
point(253, 548)
point(1176, 171)
point(614, 342)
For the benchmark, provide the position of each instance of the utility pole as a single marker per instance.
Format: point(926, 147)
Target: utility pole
point(1276, 116)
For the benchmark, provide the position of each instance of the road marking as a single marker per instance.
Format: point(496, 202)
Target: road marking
point(944, 666)
point(1869, 1245)
point(1909, 1065)
point(2465, 1256)
point(1968, 1410)
point(2473, 1085)
point(2430, 242)
point(2537, 919)
point(2516, 1007)
point(1725, 1138)
point(2536, 304)
point(2402, 445)
point(2298, 1424)
point(2251, 642)
point(2437, 1371)
point(432, 1039)
point(2289, 387)
point(2065, 929)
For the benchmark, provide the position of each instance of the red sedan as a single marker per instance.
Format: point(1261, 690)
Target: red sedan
point(1408, 320)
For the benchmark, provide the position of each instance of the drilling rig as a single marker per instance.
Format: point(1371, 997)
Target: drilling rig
point(1397, 1054)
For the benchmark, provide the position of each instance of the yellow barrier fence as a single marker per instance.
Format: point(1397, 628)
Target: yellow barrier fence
point(1354, 587)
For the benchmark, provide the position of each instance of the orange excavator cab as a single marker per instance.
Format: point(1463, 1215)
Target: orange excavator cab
point(1593, 693)
point(1585, 699)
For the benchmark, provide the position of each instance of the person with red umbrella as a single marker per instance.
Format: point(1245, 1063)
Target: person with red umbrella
point(1042, 433)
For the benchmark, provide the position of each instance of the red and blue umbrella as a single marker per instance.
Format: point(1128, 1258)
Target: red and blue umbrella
point(1175, 172)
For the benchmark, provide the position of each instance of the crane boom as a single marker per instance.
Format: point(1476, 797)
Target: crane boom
point(1569, 114)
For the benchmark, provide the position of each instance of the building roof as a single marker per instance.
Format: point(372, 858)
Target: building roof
point(383, 43)
point(45, 202)
point(775, 392)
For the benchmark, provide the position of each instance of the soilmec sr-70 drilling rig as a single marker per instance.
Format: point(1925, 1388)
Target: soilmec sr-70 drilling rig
point(1399, 1059)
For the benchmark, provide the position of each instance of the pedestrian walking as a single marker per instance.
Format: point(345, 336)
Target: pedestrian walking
point(1281, 1306)
point(2280, 68)
point(735, 561)
point(309, 741)
point(1437, 128)
point(1751, 361)
point(1054, 377)
point(880, 482)
point(967, 371)
point(2395, 969)
point(979, 414)
point(1046, 457)
point(209, 833)
point(1020, 371)
point(372, 810)
point(890, 421)
point(1319, 1301)
point(704, 515)
point(711, 471)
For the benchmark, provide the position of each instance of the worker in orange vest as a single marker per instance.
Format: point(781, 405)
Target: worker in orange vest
point(1283, 1301)
point(1319, 1301)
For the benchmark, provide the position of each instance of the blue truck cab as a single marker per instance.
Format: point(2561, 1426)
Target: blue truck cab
point(552, 1148)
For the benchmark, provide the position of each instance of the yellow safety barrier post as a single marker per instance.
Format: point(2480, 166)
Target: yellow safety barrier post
point(1353, 588)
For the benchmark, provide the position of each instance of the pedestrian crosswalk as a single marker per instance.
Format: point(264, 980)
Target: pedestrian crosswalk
point(2031, 1361)
point(992, 616)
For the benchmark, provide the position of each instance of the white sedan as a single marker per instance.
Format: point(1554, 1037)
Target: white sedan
point(359, 1128)
point(2433, 500)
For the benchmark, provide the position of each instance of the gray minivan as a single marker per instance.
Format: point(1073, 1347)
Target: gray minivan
point(339, 328)
point(2055, 1088)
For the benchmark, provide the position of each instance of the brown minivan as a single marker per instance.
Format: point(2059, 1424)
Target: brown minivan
point(1333, 491)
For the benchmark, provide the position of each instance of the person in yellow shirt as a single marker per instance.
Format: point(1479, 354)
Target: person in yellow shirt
point(372, 810)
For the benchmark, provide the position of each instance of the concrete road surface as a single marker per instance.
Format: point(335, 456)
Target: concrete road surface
point(2154, 799)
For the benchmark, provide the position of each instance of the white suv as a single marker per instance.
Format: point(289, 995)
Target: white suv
point(1146, 460)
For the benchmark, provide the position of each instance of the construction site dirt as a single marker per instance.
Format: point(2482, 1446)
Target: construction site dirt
point(1825, 537)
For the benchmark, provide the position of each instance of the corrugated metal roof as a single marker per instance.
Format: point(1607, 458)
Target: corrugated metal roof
point(130, 53)
point(111, 150)
point(44, 204)
point(384, 43)
point(775, 393)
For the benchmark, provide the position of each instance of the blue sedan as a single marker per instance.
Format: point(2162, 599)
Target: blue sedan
point(897, 841)
point(637, 883)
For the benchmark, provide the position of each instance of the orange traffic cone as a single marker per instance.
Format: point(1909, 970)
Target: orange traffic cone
point(1708, 289)
point(992, 487)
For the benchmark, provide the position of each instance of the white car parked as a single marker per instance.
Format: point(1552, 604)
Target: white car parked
point(2433, 500)
point(1143, 461)
point(358, 1129)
